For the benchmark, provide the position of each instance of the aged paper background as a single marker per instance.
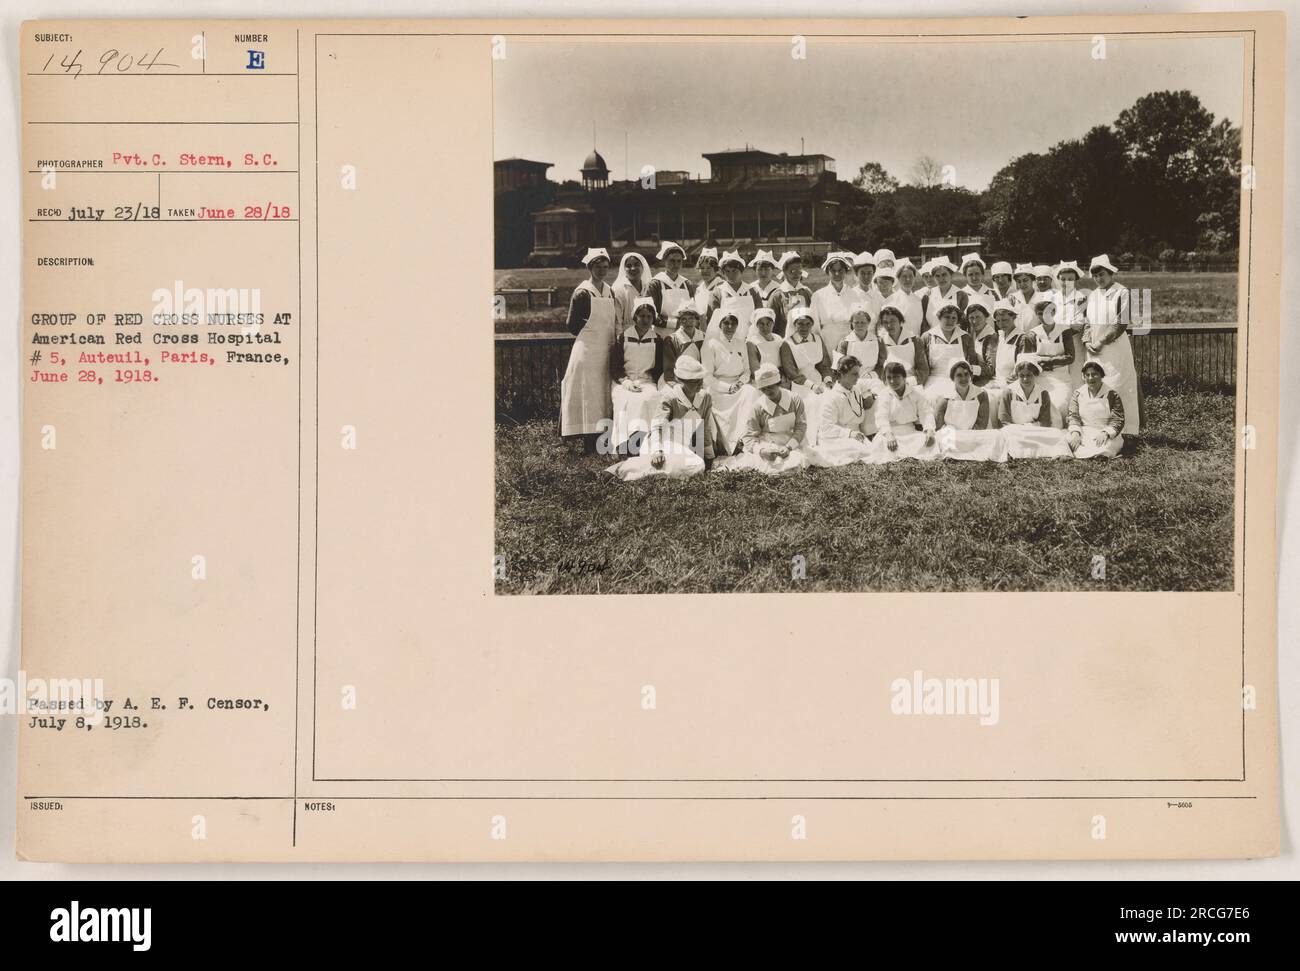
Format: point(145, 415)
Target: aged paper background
point(475, 706)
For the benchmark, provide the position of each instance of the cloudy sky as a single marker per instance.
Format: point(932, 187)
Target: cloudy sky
point(972, 105)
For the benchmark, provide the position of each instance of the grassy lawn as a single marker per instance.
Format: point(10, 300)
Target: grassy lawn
point(1176, 298)
point(1162, 516)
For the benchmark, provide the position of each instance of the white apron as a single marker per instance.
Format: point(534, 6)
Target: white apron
point(1026, 440)
point(634, 410)
point(780, 428)
point(933, 303)
point(1004, 372)
point(960, 439)
point(673, 296)
point(742, 307)
point(1095, 413)
point(942, 353)
point(584, 390)
point(904, 354)
point(868, 352)
point(1116, 357)
point(729, 407)
point(807, 356)
point(1055, 382)
point(769, 352)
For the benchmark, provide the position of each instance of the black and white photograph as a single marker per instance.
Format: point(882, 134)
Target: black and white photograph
point(830, 314)
point(953, 341)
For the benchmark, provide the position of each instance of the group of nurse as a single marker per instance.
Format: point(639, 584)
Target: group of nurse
point(886, 361)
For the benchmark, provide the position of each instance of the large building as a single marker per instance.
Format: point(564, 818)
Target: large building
point(518, 173)
point(751, 198)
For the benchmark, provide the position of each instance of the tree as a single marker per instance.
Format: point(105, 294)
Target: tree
point(926, 172)
point(937, 211)
point(1181, 164)
point(874, 179)
point(1166, 175)
point(1020, 207)
point(867, 222)
point(1162, 130)
point(1218, 170)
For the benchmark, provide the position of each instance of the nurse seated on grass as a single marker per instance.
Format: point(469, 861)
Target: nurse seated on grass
point(904, 420)
point(635, 361)
point(1026, 416)
point(682, 433)
point(776, 431)
point(964, 420)
point(1096, 416)
point(846, 419)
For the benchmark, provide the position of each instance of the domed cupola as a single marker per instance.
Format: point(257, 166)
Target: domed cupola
point(595, 173)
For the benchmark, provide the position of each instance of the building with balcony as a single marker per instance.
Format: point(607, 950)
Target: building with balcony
point(752, 198)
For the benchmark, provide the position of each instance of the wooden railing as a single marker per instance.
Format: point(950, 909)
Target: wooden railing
point(529, 367)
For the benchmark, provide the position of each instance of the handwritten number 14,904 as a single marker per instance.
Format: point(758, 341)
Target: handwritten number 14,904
point(110, 59)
